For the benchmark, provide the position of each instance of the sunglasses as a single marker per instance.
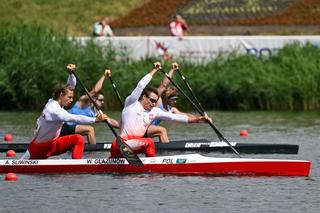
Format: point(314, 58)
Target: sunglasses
point(152, 100)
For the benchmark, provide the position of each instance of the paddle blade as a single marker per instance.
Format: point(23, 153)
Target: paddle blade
point(128, 153)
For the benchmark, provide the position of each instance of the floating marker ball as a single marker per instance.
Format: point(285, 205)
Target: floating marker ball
point(7, 137)
point(244, 133)
point(11, 153)
point(11, 177)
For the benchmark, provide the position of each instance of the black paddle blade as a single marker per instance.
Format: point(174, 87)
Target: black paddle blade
point(128, 153)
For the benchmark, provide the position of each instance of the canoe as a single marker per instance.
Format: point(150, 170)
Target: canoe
point(191, 164)
point(188, 145)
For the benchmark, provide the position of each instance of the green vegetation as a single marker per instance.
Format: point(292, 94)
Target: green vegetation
point(74, 17)
point(33, 59)
point(288, 80)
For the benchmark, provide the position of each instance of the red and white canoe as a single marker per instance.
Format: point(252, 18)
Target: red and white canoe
point(192, 164)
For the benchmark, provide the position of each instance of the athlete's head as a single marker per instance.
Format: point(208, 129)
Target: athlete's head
point(169, 97)
point(64, 95)
point(149, 98)
point(99, 99)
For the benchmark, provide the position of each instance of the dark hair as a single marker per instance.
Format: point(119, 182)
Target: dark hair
point(149, 90)
point(62, 90)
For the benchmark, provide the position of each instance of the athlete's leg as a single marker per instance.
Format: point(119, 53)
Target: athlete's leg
point(150, 150)
point(141, 145)
point(39, 150)
point(58, 146)
point(88, 131)
point(114, 150)
point(70, 142)
point(26, 155)
point(159, 131)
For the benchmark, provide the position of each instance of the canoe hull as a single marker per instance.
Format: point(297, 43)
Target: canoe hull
point(189, 145)
point(177, 165)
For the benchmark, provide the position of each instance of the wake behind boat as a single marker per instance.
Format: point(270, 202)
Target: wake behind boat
point(188, 145)
point(193, 164)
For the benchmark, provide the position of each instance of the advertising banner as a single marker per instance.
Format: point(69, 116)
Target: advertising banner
point(198, 49)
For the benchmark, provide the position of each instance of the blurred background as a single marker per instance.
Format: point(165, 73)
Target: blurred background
point(151, 17)
point(236, 54)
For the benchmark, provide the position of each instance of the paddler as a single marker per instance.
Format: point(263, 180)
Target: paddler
point(46, 141)
point(166, 102)
point(84, 107)
point(154, 130)
point(139, 112)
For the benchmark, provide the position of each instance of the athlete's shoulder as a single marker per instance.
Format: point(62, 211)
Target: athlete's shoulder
point(156, 110)
point(52, 108)
point(52, 105)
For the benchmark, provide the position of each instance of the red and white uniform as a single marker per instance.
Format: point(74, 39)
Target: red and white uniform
point(135, 120)
point(47, 142)
point(177, 28)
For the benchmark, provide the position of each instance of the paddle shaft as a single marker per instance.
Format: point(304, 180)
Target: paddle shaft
point(116, 91)
point(126, 151)
point(191, 91)
point(200, 106)
point(201, 113)
point(94, 103)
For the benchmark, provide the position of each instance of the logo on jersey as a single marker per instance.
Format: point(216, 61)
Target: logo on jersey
point(147, 119)
point(151, 117)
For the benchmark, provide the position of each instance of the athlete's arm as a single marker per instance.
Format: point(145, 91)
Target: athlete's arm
point(84, 99)
point(200, 119)
point(72, 81)
point(55, 113)
point(98, 86)
point(176, 111)
point(167, 116)
point(114, 123)
point(136, 93)
point(162, 115)
point(165, 82)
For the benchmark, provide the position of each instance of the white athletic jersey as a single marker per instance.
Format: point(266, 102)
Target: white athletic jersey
point(135, 119)
point(53, 116)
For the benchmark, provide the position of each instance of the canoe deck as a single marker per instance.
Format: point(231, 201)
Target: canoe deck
point(188, 145)
point(193, 164)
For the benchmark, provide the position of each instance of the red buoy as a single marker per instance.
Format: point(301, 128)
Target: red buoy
point(11, 177)
point(11, 153)
point(244, 133)
point(7, 137)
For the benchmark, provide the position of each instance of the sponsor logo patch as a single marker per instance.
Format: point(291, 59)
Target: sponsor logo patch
point(181, 161)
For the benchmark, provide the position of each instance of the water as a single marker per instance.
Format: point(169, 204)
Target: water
point(167, 193)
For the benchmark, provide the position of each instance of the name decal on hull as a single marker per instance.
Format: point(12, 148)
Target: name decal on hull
point(22, 162)
point(106, 161)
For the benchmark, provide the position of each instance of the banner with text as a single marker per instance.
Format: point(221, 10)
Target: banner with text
point(197, 48)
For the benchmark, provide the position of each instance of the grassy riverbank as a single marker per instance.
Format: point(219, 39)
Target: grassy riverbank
point(33, 59)
point(74, 17)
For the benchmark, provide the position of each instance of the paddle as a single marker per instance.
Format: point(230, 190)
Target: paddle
point(116, 91)
point(125, 150)
point(202, 114)
point(191, 91)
